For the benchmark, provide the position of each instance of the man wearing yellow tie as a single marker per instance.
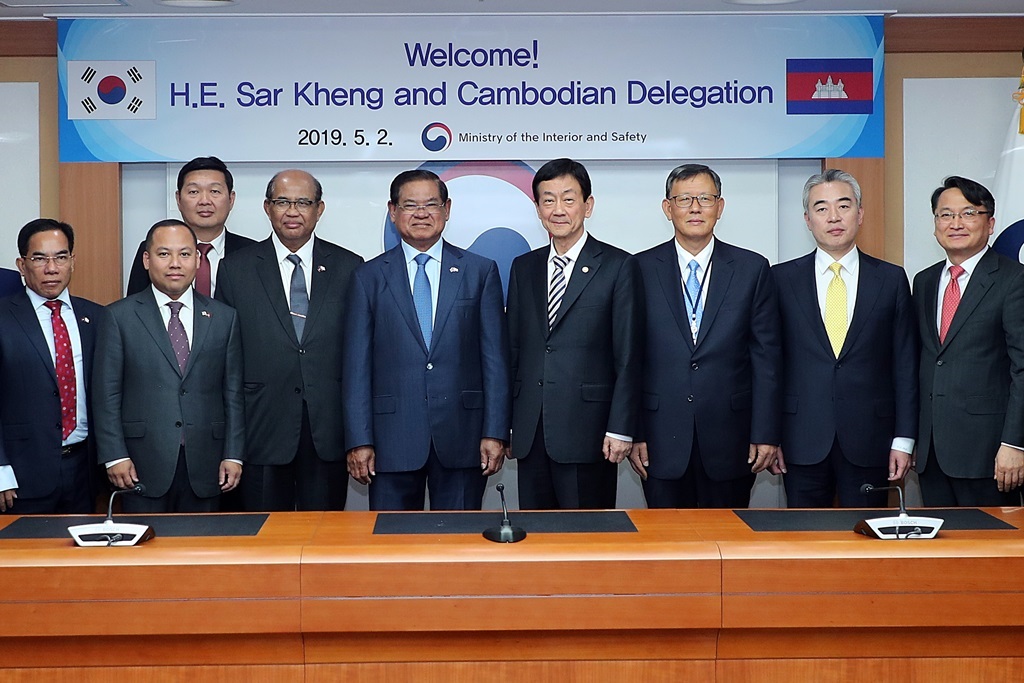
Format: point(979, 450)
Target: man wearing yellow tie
point(849, 341)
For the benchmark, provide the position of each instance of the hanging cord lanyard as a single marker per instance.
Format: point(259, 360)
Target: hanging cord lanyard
point(693, 305)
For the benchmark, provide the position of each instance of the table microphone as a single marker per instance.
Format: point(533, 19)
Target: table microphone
point(506, 533)
point(899, 527)
point(108, 532)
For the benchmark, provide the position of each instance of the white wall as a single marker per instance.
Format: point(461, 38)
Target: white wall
point(19, 163)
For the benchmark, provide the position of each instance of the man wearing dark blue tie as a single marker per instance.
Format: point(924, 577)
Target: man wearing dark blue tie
point(426, 375)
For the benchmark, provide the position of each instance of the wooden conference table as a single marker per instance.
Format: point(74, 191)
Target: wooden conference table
point(690, 595)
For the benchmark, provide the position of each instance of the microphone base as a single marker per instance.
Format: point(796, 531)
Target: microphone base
point(506, 533)
point(899, 528)
point(110, 533)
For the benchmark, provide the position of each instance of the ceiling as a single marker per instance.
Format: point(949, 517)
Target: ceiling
point(126, 8)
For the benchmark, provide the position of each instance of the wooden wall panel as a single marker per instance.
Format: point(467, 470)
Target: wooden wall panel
point(870, 174)
point(90, 200)
point(28, 38)
point(945, 34)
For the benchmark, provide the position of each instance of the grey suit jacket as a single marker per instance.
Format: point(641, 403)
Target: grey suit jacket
point(972, 385)
point(144, 404)
point(281, 372)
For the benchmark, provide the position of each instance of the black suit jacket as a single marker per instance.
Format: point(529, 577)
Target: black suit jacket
point(726, 386)
point(138, 279)
point(972, 385)
point(583, 376)
point(30, 417)
point(10, 282)
point(281, 373)
point(143, 401)
point(870, 393)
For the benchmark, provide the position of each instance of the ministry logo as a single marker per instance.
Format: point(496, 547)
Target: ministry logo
point(436, 137)
point(111, 90)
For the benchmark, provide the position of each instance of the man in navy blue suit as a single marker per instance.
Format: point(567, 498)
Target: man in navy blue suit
point(425, 378)
point(47, 339)
point(849, 412)
point(709, 418)
point(10, 282)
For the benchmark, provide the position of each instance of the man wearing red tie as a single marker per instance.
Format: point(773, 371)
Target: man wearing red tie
point(970, 311)
point(46, 348)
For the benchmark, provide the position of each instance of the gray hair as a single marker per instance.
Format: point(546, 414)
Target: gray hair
point(830, 175)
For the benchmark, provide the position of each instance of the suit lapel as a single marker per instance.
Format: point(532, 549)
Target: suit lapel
point(869, 286)
point(87, 333)
point(536, 275)
point(29, 321)
point(149, 314)
point(978, 286)
point(321, 272)
point(804, 290)
point(583, 271)
point(448, 287)
point(671, 281)
point(396, 274)
point(268, 273)
point(718, 285)
point(201, 322)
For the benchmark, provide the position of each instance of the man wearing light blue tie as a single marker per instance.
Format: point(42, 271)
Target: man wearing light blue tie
point(425, 378)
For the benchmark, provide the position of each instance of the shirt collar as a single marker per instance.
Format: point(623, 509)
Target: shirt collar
point(38, 301)
point(162, 299)
point(703, 257)
point(850, 261)
point(411, 252)
point(305, 252)
point(969, 265)
point(573, 254)
point(218, 242)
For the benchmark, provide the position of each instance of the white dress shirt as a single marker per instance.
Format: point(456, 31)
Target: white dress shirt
point(305, 253)
point(432, 267)
point(703, 259)
point(969, 265)
point(214, 256)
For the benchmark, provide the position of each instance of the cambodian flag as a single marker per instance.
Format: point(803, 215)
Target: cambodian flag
point(829, 86)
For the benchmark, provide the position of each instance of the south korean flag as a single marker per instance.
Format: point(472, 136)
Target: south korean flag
point(111, 90)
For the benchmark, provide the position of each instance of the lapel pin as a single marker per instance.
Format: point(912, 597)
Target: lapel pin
point(586, 269)
point(321, 269)
point(453, 269)
point(206, 314)
point(85, 319)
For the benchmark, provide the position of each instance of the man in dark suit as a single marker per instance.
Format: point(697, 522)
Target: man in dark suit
point(169, 409)
point(47, 339)
point(970, 314)
point(10, 282)
point(425, 320)
point(709, 416)
point(289, 291)
point(849, 343)
point(205, 197)
point(575, 312)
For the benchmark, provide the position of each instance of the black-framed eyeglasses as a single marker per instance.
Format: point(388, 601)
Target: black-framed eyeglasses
point(685, 201)
point(282, 204)
point(966, 215)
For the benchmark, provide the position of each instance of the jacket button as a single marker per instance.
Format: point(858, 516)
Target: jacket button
point(430, 366)
point(298, 390)
point(178, 423)
point(540, 383)
point(689, 399)
point(938, 362)
point(548, 349)
point(183, 392)
point(302, 352)
point(693, 366)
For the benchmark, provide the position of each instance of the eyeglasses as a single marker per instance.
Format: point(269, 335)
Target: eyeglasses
point(685, 201)
point(429, 207)
point(282, 204)
point(966, 215)
point(40, 261)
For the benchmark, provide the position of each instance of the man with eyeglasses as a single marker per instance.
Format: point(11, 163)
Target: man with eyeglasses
point(426, 379)
point(289, 291)
point(970, 314)
point(47, 339)
point(709, 418)
point(205, 197)
point(849, 342)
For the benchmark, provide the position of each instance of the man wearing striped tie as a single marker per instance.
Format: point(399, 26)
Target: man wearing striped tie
point(575, 312)
point(850, 357)
point(970, 314)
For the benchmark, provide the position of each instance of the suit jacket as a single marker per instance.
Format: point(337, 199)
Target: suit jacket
point(972, 385)
point(30, 417)
point(583, 376)
point(281, 373)
point(138, 278)
point(10, 282)
point(870, 393)
point(143, 399)
point(388, 370)
point(727, 385)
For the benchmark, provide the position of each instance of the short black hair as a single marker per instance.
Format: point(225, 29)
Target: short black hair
point(973, 191)
point(316, 183)
point(406, 177)
point(558, 168)
point(687, 171)
point(206, 164)
point(168, 223)
point(39, 225)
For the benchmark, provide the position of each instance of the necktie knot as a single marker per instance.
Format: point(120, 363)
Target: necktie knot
point(956, 271)
point(295, 259)
point(560, 262)
point(835, 267)
point(204, 248)
point(54, 306)
point(175, 307)
point(422, 259)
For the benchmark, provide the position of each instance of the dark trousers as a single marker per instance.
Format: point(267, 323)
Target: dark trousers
point(545, 484)
point(450, 488)
point(939, 490)
point(306, 483)
point(73, 495)
point(818, 485)
point(695, 489)
point(179, 498)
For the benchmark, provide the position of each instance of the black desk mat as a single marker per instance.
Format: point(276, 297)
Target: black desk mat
point(956, 519)
point(566, 522)
point(163, 525)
